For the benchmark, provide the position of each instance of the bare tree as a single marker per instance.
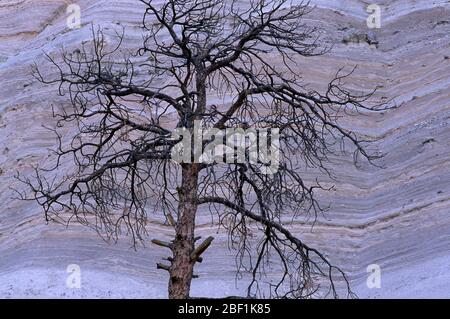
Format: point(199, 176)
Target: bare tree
point(207, 62)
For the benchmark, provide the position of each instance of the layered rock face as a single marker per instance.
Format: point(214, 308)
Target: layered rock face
point(396, 216)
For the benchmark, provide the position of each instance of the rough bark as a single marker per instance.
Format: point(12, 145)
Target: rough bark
point(181, 270)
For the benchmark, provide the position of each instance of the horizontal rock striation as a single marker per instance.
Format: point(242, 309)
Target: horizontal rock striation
point(396, 215)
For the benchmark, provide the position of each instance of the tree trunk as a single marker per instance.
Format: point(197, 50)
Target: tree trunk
point(182, 268)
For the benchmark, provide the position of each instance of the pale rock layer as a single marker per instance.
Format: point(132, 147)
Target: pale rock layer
point(396, 216)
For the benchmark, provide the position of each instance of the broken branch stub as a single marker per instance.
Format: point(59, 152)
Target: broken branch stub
point(195, 256)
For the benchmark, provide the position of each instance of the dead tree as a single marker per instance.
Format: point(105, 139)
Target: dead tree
point(193, 55)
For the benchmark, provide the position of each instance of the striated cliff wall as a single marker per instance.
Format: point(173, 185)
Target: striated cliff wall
point(397, 217)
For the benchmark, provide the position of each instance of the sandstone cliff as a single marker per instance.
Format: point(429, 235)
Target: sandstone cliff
point(397, 217)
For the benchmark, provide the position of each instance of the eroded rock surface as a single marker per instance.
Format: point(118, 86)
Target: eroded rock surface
point(397, 217)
